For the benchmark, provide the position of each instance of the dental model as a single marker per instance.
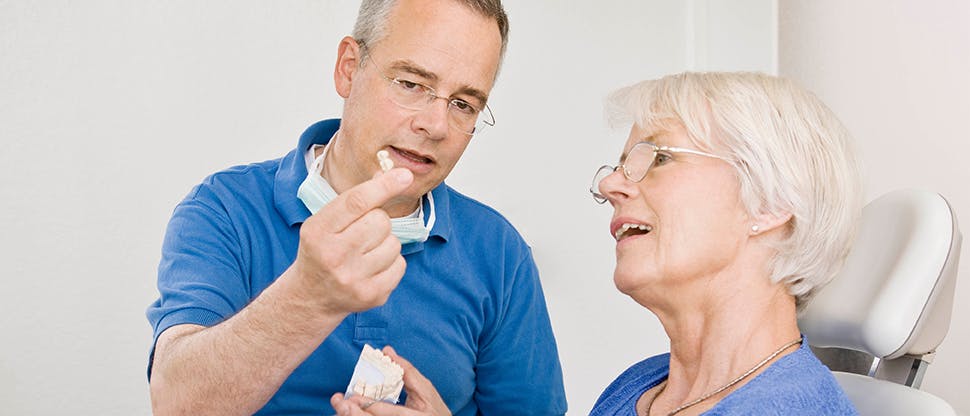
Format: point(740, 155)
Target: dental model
point(385, 160)
point(376, 377)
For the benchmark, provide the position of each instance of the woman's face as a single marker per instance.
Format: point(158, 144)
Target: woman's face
point(690, 204)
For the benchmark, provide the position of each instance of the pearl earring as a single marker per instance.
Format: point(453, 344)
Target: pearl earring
point(755, 229)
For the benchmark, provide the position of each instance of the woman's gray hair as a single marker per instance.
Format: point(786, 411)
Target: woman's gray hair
point(372, 20)
point(790, 152)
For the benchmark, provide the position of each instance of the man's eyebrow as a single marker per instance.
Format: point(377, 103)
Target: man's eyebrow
point(476, 93)
point(413, 68)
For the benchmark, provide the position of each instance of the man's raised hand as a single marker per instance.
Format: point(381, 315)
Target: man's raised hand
point(348, 260)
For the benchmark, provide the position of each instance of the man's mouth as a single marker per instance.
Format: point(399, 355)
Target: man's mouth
point(410, 156)
point(631, 229)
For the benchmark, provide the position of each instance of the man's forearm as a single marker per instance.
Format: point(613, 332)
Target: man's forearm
point(235, 367)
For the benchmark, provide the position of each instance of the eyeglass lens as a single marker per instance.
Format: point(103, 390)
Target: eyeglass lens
point(461, 115)
point(638, 161)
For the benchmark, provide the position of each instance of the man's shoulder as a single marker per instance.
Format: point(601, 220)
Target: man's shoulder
point(240, 179)
point(237, 186)
point(473, 225)
point(252, 172)
point(466, 208)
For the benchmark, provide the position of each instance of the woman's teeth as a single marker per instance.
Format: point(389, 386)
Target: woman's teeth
point(620, 232)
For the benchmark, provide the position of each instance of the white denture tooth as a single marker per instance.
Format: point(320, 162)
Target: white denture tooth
point(384, 158)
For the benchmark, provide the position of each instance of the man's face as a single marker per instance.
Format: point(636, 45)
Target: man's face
point(437, 43)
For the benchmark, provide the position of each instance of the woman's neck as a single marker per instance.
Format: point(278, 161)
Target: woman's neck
point(726, 338)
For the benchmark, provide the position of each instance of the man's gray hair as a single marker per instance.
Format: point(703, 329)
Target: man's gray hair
point(372, 20)
point(790, 152)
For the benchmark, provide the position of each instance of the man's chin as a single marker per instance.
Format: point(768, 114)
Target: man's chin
point(403, 205)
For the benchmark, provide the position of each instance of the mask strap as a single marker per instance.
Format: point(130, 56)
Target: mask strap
point(317, 165)
point(431, 217)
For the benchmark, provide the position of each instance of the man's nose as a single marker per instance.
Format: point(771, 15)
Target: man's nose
point(433, 119)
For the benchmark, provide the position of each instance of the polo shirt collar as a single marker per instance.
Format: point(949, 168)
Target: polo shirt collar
point(442, 212)
point(292, 171)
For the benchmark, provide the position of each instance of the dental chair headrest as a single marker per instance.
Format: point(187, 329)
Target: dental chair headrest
point(894, 295)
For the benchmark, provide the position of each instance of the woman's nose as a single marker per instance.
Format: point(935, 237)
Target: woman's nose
point(615, 186)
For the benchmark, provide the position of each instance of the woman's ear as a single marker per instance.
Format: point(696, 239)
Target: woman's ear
point(348, 62)
point(766, 221)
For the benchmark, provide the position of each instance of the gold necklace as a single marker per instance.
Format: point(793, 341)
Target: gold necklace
point(726, 386)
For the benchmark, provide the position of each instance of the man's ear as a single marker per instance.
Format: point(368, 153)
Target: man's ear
point(348, 62)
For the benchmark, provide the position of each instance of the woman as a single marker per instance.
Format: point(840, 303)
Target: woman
point(733, 203)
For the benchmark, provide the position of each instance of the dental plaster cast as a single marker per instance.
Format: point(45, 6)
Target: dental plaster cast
point(376, 377)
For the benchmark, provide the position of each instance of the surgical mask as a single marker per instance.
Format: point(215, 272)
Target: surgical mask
point(315, 193)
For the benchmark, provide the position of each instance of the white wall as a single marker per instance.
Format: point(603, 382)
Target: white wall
point(898, 74)
point(111, 110)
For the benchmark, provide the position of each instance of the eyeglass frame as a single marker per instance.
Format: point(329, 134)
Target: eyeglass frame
point(594, 186)
point(432, 94)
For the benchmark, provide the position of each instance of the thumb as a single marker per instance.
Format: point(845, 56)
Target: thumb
point(402, 175)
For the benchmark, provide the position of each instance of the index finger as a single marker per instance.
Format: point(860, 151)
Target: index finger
point(348, 406)
point(397, 358)
point(359, 200)
point(415, 383)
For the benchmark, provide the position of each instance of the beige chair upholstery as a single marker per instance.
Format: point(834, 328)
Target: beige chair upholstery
point(889, 308)
point(880, 397)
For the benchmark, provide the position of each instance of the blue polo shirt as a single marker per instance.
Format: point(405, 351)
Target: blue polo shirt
point(796, 384)
point(469, 311)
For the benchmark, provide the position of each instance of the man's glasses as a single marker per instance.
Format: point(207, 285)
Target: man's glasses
point(463, 116)
point(641, 157)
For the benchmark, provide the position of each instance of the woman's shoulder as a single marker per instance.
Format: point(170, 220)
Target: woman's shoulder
point(797, 384)
point(653, 369)
point(621, 396)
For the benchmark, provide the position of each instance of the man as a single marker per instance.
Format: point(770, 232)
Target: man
point(264, 307)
